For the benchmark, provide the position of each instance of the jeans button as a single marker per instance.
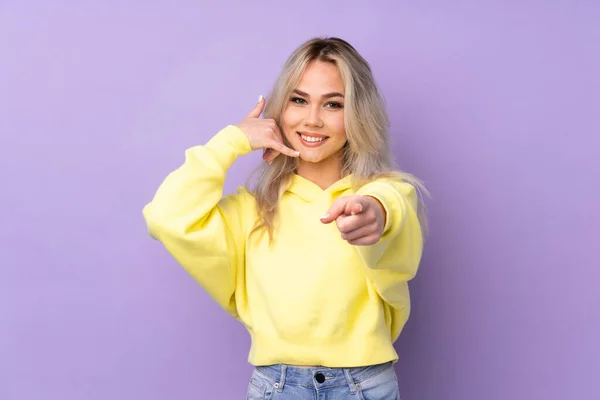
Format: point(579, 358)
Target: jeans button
point(320, 377)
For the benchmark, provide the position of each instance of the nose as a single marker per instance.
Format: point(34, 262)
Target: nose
point(313, 118)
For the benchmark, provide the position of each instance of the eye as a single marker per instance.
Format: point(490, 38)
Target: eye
point(334, 104)
point(298, 100)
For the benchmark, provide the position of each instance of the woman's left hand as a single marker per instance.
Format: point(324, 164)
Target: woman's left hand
point(360, 219)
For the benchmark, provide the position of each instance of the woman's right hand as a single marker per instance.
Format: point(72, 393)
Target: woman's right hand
point(264, 134)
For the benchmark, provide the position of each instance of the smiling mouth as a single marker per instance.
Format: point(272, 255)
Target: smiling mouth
point(312, 140)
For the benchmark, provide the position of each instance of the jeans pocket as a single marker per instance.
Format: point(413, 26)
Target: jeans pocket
point(260, 387)
point(383, 386)
point(256, 389)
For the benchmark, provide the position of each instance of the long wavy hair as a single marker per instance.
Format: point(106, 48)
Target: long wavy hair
point(366, 154)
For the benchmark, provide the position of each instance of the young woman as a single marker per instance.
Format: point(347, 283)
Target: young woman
point(314, 259)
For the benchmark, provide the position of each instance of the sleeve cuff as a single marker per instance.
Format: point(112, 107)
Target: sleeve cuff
point(232, 139)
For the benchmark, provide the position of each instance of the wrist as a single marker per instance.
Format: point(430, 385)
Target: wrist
point(380, 209)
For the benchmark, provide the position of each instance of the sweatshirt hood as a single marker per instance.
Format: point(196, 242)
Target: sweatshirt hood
point(310, 191)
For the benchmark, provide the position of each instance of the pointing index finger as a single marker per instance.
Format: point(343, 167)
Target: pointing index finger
point(336, 209)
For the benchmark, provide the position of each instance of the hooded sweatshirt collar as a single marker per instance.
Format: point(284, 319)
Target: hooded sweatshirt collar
point(309, 191)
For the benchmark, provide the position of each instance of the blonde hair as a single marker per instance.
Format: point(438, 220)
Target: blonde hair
point(367, 154)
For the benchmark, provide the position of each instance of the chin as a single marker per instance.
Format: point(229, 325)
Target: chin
point(309, 159)
point(313, 158)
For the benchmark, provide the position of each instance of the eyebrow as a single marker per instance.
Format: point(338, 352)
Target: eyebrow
point(325, 96)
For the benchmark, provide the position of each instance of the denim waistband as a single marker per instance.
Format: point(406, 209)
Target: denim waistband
point(282, 374)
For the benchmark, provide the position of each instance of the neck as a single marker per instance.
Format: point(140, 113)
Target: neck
point(324, 173)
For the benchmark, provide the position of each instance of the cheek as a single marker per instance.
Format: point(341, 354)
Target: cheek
point(291, 117)
point(289, 121)
point(337, 126)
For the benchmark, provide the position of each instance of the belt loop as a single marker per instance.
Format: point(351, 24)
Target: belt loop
point(353, 386)
point(279, 385)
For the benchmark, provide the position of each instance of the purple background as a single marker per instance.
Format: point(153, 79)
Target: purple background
point(494, 104)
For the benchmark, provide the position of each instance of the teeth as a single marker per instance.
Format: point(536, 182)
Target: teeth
point(312, 139)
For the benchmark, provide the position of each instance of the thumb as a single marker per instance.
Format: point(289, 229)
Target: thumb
point(258, 109)
point(336, 209)
point(354, 206)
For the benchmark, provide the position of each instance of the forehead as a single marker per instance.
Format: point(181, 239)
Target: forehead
point(321, 77)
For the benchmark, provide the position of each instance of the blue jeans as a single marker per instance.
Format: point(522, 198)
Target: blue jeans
point(283, 382)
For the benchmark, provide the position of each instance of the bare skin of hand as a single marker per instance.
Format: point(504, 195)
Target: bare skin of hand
point(264, 134)
point(360, 219)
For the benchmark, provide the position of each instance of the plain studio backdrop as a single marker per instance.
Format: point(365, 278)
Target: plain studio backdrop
point(494, 104)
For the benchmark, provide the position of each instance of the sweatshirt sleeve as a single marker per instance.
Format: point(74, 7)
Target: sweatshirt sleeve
point(394, 259)
point(200, 228)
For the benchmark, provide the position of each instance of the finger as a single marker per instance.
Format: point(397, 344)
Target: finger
point(280, 147)
point(258, 108)
point(349, 223)
point(365, 240)
point(336, 209)
point(269, 155)
point(358, 233)
point(354, 206)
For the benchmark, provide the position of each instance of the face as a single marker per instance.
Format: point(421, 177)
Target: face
point(313, 120)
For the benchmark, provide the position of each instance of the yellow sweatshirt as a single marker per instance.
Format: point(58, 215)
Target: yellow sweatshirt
point(309, 299)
